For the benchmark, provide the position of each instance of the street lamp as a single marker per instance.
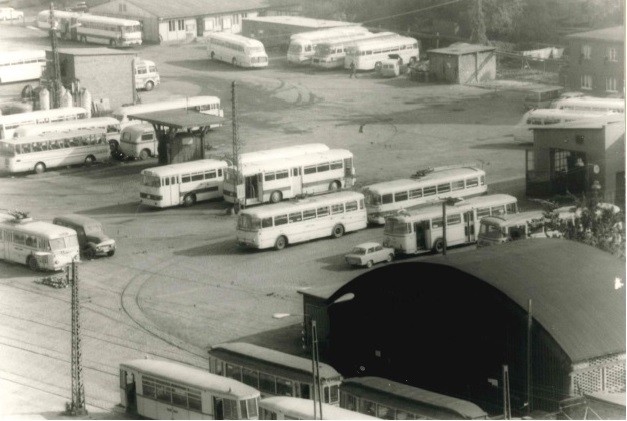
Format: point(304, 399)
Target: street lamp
point(449, 201)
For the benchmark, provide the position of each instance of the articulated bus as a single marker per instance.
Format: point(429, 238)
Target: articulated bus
point(17, 66)
point(420, 230)
point(294, 221)
point(182, 184)
point(202, 104)
point(289, 408)
point(389, 400)
point(278, 179)
point(165, 390)
point(37, 244)
point(51, 150)
point(331, 54)
point(367, 53)
point(590, 103)
point(236, 49)
point(108, 124)
point(523, 131)
point(434, 184)
point(10, 122)
point(302, 45)
point(273, 373)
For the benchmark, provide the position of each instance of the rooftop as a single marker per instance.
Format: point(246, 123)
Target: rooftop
point(461, 48)
point(180, 119)
point(614, 33)
point(168, 9)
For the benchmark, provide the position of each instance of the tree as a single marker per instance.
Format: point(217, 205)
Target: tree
point(477, 23)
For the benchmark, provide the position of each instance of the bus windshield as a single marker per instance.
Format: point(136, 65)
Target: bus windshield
point(392, 226)
point(93, 229)
point(248, 222)
point(294, 48)
point(6, 149)
point(256, 50)
point(151, 181)
point(63, 243)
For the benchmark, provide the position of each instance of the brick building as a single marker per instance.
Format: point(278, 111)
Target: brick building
point(597, 61)
point(462, 63)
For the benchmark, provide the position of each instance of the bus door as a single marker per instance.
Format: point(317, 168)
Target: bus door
point(129, 397)
point(173, 189)
point(253, 189)
point(348, 172)
point(4, 245)
point(73, 24)
point(420, 228)
point(469, 227)
point(218, 408)
point(297, 181)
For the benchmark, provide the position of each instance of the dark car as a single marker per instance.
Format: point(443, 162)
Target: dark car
point(91, 239)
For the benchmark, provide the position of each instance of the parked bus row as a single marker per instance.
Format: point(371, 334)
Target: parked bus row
point(247, 381)
point(17, 66)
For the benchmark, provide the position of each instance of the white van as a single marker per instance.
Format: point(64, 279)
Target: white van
point(388, 68)
point(146, 75)
point(139, 141)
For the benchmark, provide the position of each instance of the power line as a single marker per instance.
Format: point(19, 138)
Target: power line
point(412, 11)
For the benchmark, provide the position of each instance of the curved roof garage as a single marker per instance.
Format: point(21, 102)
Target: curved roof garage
point(452, 323)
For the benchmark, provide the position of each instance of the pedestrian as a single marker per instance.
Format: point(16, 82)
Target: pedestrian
point(353, 73)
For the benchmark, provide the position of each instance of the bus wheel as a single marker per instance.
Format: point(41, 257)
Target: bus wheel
point(189, 199)
point(438, 246)
point(113, 43)
point(335, 185)
point(89, 159)
point(113, 145)
point(149, 85)
point(144, 154)
point(276, 197)
point(90, 253)
point(369, 264)
point(40, 168)
point(281, 242)
point(338, 231)
point(32, 263)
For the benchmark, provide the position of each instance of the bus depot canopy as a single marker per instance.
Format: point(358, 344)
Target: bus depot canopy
point(179, 119)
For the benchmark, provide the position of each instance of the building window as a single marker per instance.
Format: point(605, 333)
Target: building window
point(560, 160)
point(122, 7)
point(586, 82)
point(611, 54)
point(181, 23)
point(610, 84)
point(586, 51)
point(171, 26)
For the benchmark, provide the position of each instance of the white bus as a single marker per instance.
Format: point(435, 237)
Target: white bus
point(165, 390)
point(290, 408)
point(62, 19)
point(590, 103)
point(284, 152)
point(302, 45)
point(431, 185)
point(236, 49)
point(523, 131)
point(37, 244)
point(108, 124)
point(331, 54)
point(278, 179)
point(146, 75)
point(182, 184)
point(202, 104)
point(367, 53)
point(50, 150)
point(10, 122)
point(295, 221)
point(17, 66)
point(421, 230)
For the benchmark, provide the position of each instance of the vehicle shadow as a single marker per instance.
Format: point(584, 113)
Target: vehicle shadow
point(206, 65)
point(336, 264)
point(227, 247)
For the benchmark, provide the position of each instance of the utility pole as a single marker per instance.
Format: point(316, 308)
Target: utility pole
point(315, 365)
point(529, 359)
point(236, 153)
point(55, 87)
point(507, 407)
point(444, 227)
point(77, 406)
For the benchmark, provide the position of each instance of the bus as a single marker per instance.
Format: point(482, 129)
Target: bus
point(146, 75)
point(51, 150)
point(10, 122)
point(278, 179)
point(274, 373)
point(166, 390)
point(328, 215)
point(420, 230)
point(367, 53)
point(290, 408)
point(184, 183)
point(303, 45)
point(389, 400)
point(523, 131)
point(590, 103)
point(202, 104)
point(430, 185)
point(62, 21)
point(284, 152)
point(236, 49)
point(36, 244)
point(17, 66)
point(331, 53)
point(108, 124)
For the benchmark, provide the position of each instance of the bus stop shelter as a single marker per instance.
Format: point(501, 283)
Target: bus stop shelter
point(181, 134)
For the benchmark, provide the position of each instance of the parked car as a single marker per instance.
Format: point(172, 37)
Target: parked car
point(91, 238)
point(9, 13)
point(367, 254)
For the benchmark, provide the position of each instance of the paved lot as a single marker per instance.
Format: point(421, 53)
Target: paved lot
point(179, 283)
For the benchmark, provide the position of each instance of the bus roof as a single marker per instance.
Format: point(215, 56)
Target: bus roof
point(329, 32)
point(302, 409)
point(393, 394)
point(76, 219)
point(40, 228)
point(35, 129)
point(59, 13)
point(295, 161)
point(105, 19)
point(285, 152)
point(191, 101)
point(301, 21)
point(227, 36)
point(513, 218)
point(294, 205)
point(9, 56)
point(436, 176)
point(34, 115)
point(191, 166)
point(54, 136)
point(276, 362)
point(193, 377)
point(434, 211)
point(352, 40)
point(383, 42)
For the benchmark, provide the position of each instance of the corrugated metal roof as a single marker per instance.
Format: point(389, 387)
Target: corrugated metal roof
point(168, 9)
point(614, 33)
point(181, 119)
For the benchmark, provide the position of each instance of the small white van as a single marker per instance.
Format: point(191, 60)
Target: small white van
point(146, 75)
point(139, 141)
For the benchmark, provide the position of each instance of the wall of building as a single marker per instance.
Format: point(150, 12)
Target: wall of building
point(443, 67)
point(477, 67)
point(599, 67)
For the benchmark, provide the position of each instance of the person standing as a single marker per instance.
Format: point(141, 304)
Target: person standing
point(353, 73)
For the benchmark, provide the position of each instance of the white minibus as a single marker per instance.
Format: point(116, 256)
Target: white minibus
point(236, 49)
point(495, 230)
point(330, 54)
point(139, 141)
point(17, 66)
point(10, 122)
